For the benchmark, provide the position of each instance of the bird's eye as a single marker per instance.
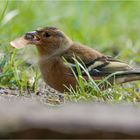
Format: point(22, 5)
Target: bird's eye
point(46, 34)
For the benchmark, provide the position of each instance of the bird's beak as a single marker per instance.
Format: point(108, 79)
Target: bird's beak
point(28, 38)
point(32, 37)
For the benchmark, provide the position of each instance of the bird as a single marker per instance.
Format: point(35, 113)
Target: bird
point(55, 48)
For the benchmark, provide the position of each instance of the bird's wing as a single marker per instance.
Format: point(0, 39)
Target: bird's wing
point(101, 66)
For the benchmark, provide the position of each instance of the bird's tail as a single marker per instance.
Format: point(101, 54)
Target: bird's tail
point(125, 76)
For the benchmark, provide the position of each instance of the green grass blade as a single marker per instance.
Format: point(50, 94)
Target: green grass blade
point(3, 12)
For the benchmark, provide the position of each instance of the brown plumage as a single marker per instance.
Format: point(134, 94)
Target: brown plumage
point(53, 46)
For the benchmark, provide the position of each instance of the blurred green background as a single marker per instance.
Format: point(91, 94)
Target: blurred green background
point(112, 27)
point(104, 25)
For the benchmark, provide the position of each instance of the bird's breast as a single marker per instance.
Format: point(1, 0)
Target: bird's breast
point(56, 74)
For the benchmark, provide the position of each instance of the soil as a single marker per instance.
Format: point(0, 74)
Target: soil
point(46, 96)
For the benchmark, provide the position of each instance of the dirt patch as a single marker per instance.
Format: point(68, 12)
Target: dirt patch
point(46, 96)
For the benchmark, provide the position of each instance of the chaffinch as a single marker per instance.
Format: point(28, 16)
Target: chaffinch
point(54, 46)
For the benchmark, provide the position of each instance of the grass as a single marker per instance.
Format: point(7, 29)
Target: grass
point(111, 27)
point(92, 90)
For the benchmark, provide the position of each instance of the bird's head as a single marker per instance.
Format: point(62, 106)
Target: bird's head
point(49, 40)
